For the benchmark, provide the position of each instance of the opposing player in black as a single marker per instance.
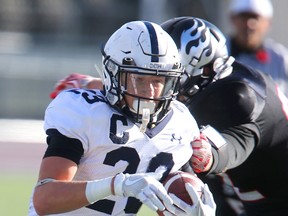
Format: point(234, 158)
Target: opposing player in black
point(249, 112)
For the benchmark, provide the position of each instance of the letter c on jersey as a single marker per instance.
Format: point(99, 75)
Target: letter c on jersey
point(113, 129)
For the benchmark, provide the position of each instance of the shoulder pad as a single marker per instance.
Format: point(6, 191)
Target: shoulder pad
point(223, 104)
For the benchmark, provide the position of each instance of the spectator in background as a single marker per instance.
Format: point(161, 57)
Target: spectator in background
point(248, 43)
point(251, 21)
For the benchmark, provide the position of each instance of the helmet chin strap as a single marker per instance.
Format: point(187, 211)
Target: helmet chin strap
point(145, 109)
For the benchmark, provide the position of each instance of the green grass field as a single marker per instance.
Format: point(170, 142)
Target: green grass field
point(15, 194)
point(20, 163)
point(145, 211)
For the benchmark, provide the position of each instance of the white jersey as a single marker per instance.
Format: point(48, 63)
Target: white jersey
point(113, 144)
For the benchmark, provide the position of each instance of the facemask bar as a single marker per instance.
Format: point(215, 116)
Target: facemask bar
point(118, 87)
point(190, 85)
point(156, 103)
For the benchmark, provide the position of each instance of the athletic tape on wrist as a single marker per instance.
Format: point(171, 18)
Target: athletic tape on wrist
point(118, 184)
point(215, 138)
point(112, 185)
point(98, 189)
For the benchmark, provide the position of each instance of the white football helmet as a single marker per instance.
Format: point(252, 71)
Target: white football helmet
point(143, 48)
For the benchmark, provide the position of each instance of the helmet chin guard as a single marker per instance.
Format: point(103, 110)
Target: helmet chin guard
point(145, 119)
point(139, 105)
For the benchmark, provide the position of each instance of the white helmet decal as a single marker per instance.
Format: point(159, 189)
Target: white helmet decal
point(199, 42)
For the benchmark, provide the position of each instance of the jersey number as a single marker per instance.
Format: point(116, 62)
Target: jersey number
point(130, 155)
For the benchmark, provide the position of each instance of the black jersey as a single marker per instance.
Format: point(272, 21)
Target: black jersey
point(251, 113)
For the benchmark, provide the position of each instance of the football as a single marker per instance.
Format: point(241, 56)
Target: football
point(175, 183)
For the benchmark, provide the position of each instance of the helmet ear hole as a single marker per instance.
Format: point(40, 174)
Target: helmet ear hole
point(176, 65)
point(208, 71)
point(128, 61)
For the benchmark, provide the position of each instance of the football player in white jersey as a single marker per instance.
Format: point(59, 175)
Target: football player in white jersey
point(108, 149)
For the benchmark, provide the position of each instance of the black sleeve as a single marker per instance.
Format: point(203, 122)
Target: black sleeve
point(62, 146)
point(241, 140)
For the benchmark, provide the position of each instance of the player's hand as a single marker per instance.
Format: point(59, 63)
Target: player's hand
point(74, 80)
point(201, 207)
point(201, 160)
point(144, 187)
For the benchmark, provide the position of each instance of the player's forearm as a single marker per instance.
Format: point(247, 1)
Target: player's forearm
point(240, 143)
point(60, 196)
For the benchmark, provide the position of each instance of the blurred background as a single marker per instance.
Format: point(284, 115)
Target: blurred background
point(43, 41)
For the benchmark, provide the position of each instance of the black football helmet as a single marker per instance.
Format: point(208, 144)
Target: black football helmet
point(203, 52)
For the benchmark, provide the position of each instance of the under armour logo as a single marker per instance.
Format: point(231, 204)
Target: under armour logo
point(174, 137)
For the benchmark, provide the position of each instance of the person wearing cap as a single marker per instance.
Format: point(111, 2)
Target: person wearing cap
point(249, 44)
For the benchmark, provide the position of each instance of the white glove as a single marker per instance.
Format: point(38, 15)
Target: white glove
point(145, 187)
point(204, 207)
point(201, 160)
